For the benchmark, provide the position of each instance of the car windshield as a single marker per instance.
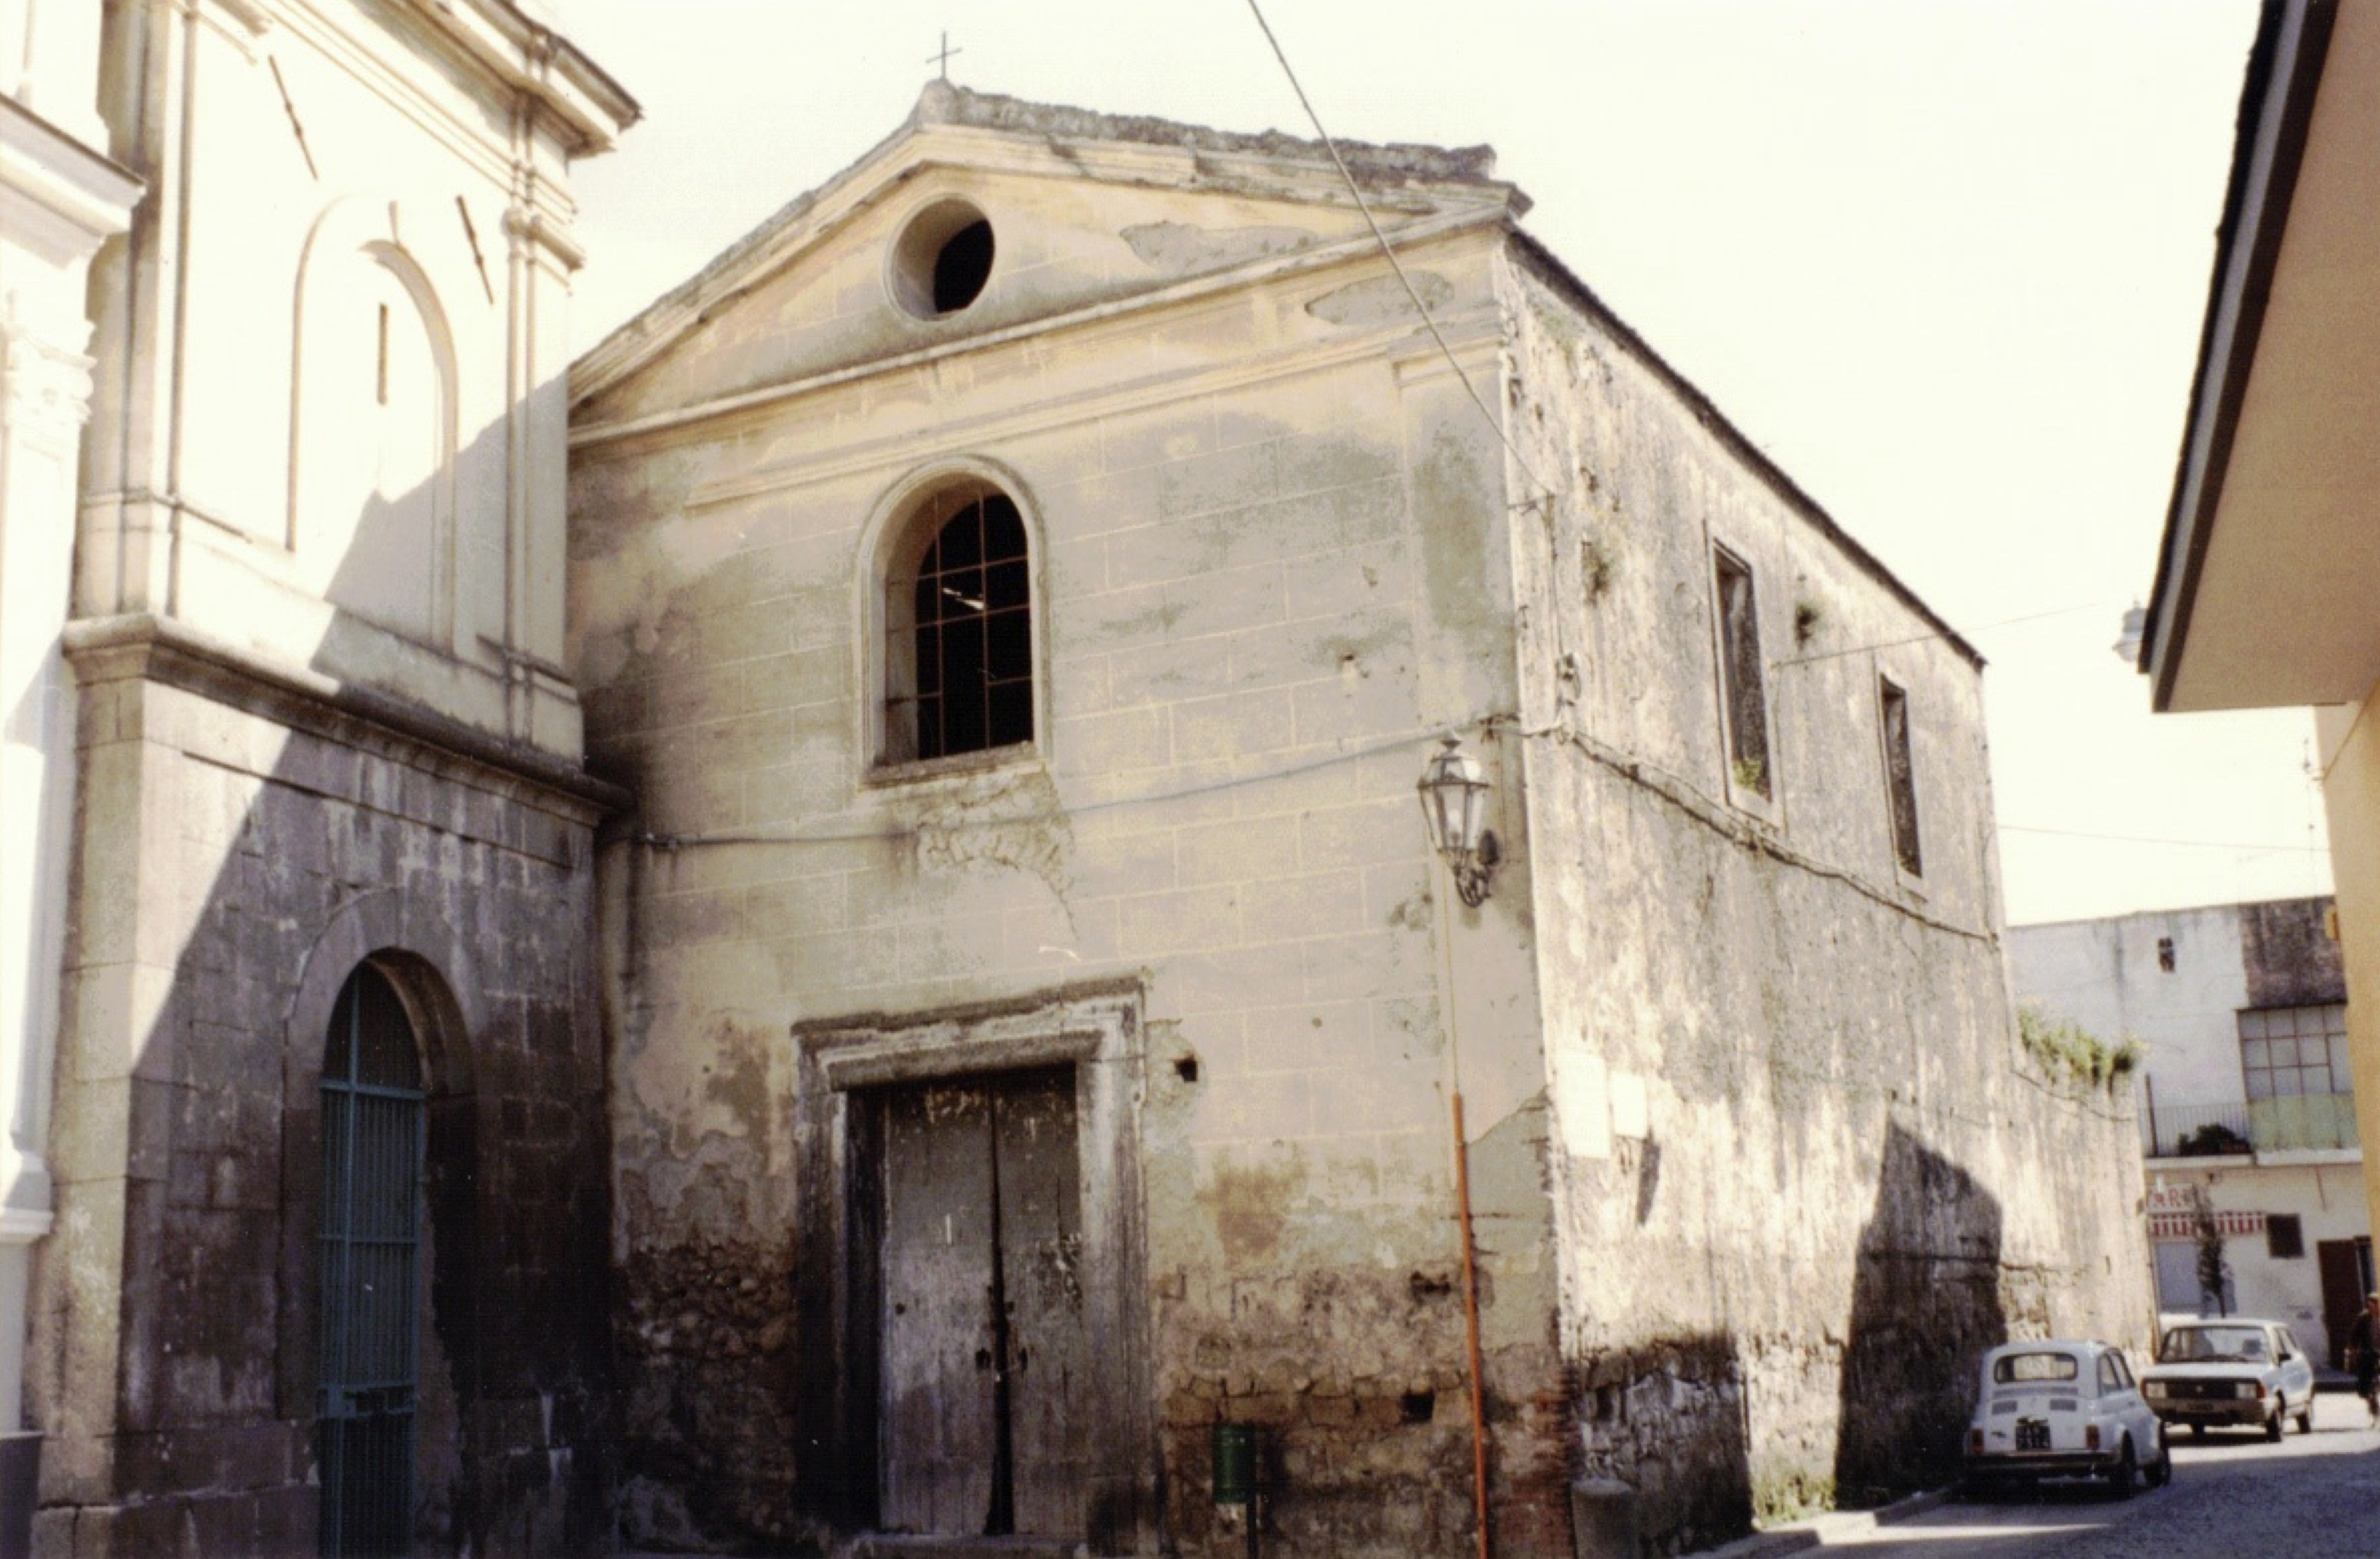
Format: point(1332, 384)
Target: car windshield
point(2013, 1367)
point(2199, 1344)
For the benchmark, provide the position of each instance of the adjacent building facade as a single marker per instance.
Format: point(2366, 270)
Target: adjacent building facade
point(328, 1141)
point(2246, 1100)
point(1020, 585)
point(2270, 522)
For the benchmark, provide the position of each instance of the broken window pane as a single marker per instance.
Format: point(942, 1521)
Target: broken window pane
point(958, 656)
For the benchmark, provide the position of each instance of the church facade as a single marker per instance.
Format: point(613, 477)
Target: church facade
point(1020, 586)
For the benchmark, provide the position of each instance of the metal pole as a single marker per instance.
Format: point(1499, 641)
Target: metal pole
point(1471, 1327)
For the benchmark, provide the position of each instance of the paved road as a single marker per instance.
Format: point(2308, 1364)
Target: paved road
point(2234, 1496)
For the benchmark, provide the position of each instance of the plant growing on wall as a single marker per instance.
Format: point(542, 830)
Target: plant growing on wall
point(2066, 1050)
point(1595, 566)
point(2213, 1137)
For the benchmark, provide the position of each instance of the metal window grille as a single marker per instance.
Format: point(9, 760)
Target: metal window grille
point(372, 1144)
point(960, 640)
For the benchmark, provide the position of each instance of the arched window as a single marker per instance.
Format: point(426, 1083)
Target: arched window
point(958, 627)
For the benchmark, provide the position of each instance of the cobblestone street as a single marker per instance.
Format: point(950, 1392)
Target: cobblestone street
point(2314, 1496)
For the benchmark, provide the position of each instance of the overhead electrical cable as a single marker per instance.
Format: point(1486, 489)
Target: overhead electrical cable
point(1545, 490)
point(2145, 839)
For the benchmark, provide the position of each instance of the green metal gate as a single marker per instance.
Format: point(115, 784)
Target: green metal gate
point(372, 1123)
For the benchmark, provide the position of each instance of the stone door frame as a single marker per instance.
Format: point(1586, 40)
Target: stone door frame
point(1097, 1031)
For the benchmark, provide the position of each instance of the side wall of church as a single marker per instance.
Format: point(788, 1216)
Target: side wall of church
point(1804, 1171)
point(1270, 569)
point(237, 865)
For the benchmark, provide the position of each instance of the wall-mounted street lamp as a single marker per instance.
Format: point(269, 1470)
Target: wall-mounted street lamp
point(1454, 804)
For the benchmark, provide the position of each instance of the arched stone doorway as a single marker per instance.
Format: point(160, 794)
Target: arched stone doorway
point(367, 1387)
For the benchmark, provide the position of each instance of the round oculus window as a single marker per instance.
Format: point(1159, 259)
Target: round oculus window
point(943, 260)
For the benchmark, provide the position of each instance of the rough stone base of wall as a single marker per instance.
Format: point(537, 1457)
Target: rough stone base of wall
point(707, 1356)
point(267, 1521)
point(1668, 1419)
point(1379, 1462)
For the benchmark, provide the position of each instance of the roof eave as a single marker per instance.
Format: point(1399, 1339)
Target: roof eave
point(1732, 438)
point(2276, 102)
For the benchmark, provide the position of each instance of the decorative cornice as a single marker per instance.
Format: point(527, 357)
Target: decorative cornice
point(20, 1226)
point(526, 225)
point(539, 62)
point(172, 653)
point(57, 196)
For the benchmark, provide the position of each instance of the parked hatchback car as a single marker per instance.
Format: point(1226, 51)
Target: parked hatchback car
point(2233, 1371)
point(2062, 1409)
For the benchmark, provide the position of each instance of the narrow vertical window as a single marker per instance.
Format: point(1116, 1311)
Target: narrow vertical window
point(1900, 779)
point(1739, 671)
point(959, 634)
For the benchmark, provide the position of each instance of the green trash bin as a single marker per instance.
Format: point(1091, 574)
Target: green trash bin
point(1235, 1464)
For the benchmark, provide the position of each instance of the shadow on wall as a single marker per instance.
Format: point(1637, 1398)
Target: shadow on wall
point(1925, 1303)
point(274, 853)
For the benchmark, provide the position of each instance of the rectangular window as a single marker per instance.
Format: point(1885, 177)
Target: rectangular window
point(2284, 1237)
point(2291, 1052)
point(1740, 673)
point(1900, 779)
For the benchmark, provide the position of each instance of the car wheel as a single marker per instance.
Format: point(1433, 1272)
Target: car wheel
point(2279, 1420)
point(2124, 1477)
point(2159, 1472)
point(2305, 1419)
point(2198, 1432)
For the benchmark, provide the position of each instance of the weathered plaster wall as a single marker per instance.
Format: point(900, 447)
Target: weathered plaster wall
point(1802, 1176)
point(270, 849)
point(1269, 567)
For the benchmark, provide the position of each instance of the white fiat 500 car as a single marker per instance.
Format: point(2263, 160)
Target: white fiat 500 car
point(2232, 1373)
point(2062, 1409)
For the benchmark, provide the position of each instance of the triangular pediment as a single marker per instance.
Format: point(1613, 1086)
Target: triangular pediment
point(1085, 212)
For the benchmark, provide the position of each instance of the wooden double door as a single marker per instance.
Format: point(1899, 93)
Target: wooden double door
point(984, 1361)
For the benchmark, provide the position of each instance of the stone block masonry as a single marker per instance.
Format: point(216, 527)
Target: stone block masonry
point(244, 851)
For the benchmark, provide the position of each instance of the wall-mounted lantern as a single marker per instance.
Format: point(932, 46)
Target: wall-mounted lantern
point(1454, 804)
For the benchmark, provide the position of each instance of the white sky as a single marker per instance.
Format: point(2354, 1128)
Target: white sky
point(1945, 261)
